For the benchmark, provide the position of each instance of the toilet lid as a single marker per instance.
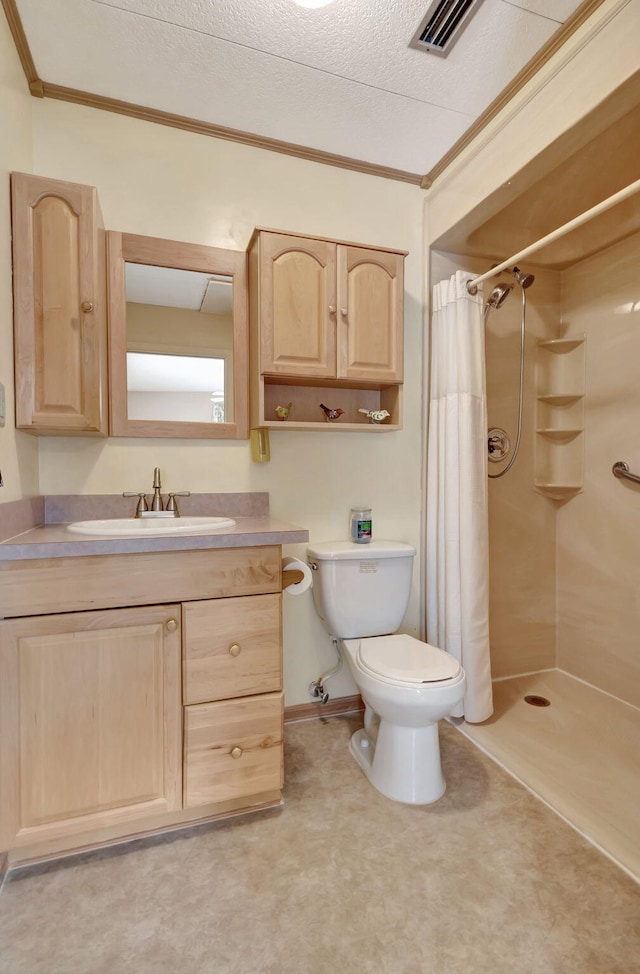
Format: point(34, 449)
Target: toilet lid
point(407, 660)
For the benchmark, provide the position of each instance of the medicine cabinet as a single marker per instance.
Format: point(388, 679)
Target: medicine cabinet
point(178, 339)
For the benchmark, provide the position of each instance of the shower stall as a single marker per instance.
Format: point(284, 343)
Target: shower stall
point(564, 532)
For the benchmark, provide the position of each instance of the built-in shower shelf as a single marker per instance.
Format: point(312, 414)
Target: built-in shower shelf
point(560, 398)
point(560, 381)
point(559, 492)
point(562, 345)
point(561, 435)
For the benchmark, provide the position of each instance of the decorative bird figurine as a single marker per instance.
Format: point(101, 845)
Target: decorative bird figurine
point(331, 414)
point(375, 415)
point(282, 412)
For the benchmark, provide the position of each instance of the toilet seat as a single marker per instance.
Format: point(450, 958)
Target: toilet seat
point(405, 661)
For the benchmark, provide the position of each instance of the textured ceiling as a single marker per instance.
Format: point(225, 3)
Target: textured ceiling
point(341, 79)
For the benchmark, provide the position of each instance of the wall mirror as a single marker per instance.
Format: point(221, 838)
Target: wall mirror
point(178, 339)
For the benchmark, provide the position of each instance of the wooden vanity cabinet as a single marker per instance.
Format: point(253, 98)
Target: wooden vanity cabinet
point(60, 321)
point(325, 315)
point(121, 721)
point(90, 724)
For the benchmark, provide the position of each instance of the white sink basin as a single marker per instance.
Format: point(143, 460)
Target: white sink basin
point(135, 527)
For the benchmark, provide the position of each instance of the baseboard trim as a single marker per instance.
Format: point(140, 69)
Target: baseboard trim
point(313, 711)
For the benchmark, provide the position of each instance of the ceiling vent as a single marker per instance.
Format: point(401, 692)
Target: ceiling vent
point(442, 25)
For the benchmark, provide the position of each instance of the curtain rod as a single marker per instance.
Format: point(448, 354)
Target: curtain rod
point(602, 207)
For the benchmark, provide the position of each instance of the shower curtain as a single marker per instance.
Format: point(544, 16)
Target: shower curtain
point(457, 491)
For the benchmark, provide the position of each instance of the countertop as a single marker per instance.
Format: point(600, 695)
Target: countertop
point(56, 541)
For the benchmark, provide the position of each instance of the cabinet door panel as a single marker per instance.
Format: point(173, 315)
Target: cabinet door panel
point(60, 313)
point(232, 647)
point(91, 726)
point(233, 749)
point(297, 304)
point(371, 292)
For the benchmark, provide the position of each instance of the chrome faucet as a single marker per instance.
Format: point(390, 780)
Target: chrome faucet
point(157, 508)
point(156, 503)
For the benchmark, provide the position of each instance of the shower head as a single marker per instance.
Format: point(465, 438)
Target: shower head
point(524, 280)
point(498, 296)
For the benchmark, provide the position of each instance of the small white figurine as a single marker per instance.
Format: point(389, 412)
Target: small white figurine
point(375, 415)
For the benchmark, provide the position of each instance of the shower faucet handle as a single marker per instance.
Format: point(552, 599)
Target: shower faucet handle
point(498, 444)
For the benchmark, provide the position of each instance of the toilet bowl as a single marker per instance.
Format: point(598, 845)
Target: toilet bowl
point(407, 686)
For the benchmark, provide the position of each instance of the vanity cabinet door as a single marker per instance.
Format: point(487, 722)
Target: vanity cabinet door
point(297, 282)
point(371, 315)
point(233, 749)
point(90, 721)
point(232, 647)
point(60, 323)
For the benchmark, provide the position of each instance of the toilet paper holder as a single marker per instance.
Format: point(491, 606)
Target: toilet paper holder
point(292, 577)
point(296, 576)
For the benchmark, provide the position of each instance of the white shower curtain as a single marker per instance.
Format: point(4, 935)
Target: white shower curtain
point(457, 491)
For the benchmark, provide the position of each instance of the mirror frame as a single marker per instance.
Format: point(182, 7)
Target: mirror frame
point(135, 249)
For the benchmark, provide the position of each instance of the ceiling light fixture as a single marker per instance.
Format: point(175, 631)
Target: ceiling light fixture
point(313, 4)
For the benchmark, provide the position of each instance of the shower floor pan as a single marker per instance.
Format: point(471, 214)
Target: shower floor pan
point(581, 755)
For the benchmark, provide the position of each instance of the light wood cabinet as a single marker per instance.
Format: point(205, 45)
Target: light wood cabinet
point(232, 648)
point(122, 721)
point(326, 324)
point(90, 720)
point(233, 748)
point(60, 321)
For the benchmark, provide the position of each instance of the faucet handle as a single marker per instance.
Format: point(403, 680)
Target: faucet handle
point(142, 501)
point(171, 503)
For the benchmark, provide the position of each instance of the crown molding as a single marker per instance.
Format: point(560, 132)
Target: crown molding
point(221, 132)
point(43, 89)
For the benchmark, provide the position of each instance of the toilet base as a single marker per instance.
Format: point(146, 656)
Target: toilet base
point(403, 763)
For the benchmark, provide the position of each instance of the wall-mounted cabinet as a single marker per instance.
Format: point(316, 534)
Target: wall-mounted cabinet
point(60, 320)
point(175, 330)
point(326, 326)
point(560, 391)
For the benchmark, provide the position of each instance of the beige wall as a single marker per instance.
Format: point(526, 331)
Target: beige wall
point(18, 451)
point(598, 531)
point(157, 181)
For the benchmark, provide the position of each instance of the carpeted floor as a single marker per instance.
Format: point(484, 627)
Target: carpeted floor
point(486, 881)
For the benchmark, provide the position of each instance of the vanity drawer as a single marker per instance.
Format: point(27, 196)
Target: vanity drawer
point(233, 748)
point(232, 647)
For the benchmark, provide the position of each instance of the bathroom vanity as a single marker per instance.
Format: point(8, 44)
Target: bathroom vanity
point(140, 690)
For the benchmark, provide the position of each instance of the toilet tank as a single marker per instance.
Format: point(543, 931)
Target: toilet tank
point(361, 590)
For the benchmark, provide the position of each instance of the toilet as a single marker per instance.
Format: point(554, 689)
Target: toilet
point(361, 593)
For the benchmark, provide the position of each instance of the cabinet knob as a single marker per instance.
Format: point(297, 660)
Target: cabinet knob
point(344, 312)
point(87, 306)
point(236, 752)
point(234, 649)
point(172, 625)
point(332, 310)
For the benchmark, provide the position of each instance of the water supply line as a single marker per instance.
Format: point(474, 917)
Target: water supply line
point(517, 274)
point(316, 688)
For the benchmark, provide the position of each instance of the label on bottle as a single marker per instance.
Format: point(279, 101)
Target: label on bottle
point(361, 527)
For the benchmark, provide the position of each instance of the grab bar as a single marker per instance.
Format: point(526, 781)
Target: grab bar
point(621, 469)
